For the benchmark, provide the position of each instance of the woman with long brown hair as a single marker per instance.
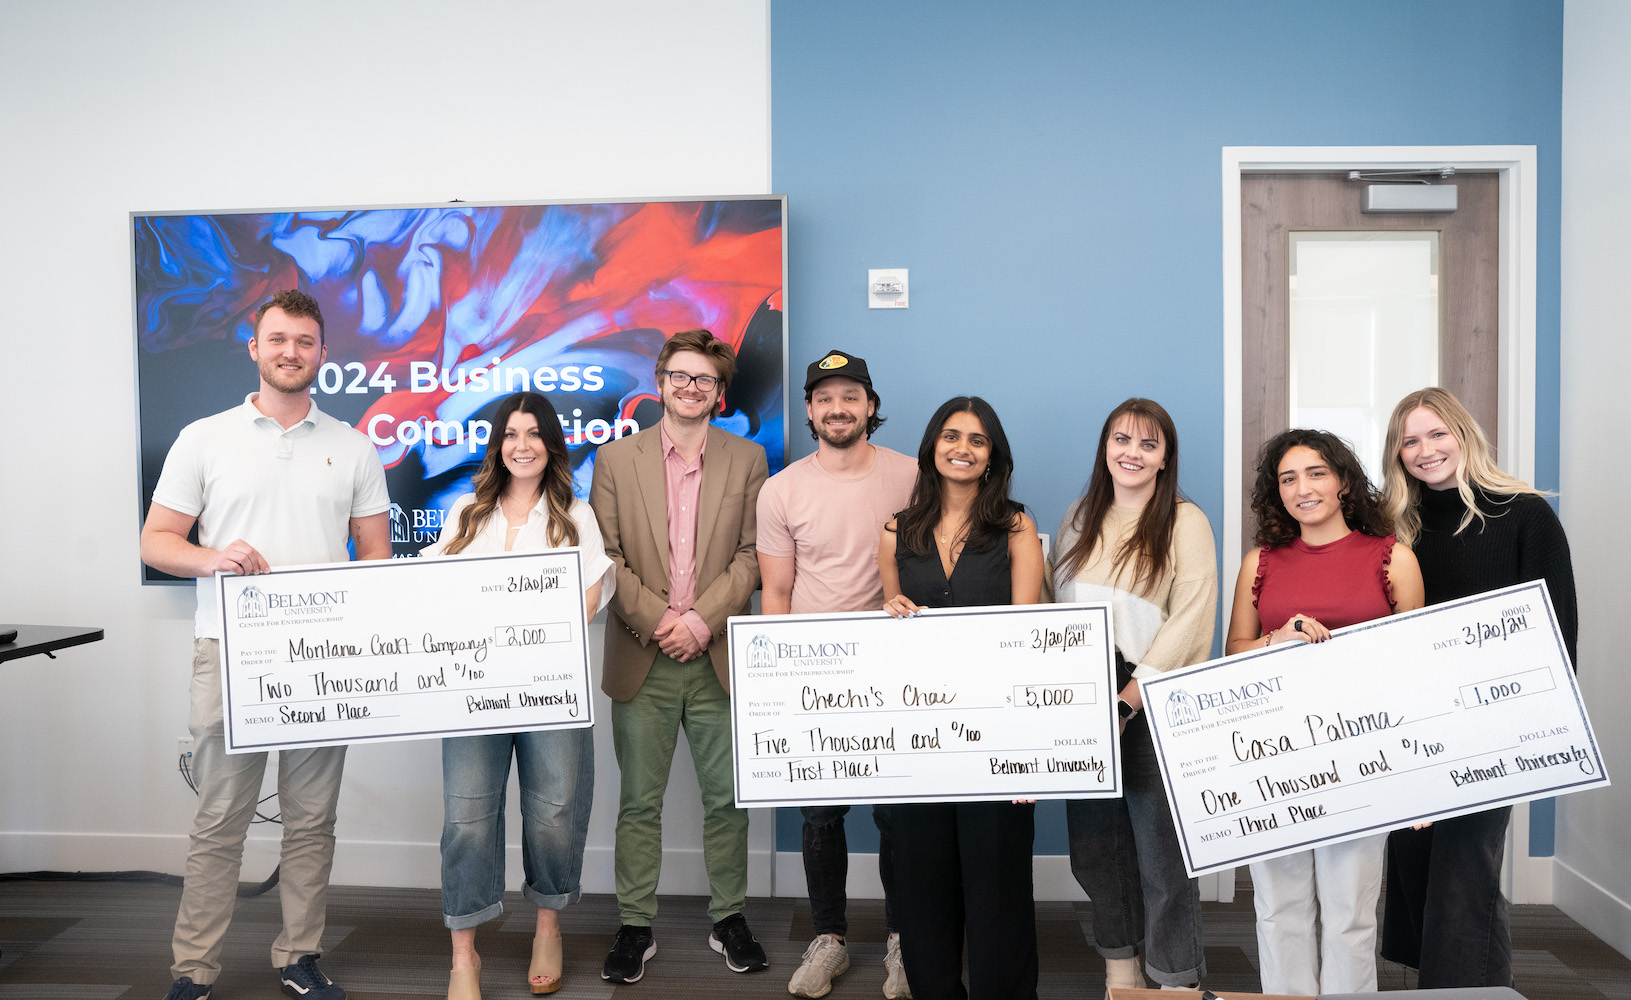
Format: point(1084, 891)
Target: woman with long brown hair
point(1325, 560)
point(522, 501)
point(962, 541)
point(1133, 540)
point(1473, 528)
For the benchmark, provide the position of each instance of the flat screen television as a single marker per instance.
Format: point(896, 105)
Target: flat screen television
point(434, 313)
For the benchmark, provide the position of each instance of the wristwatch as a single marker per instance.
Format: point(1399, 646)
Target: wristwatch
point(1125, 709)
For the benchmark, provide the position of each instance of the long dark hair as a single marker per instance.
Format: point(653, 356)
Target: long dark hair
point(1149, 548)
point(1361, 508)
point(494, 477)
point(993, 516)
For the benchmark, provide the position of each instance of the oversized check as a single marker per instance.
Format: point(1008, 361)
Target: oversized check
point(957, 704)
point(404, 649)
point(1452, 709)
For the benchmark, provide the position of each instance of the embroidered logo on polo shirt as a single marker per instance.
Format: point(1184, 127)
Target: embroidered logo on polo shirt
point(832, 361)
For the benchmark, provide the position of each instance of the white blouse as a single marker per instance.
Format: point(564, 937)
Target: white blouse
point(534, 537)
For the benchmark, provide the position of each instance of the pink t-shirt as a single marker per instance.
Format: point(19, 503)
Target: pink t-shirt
point(830, 527)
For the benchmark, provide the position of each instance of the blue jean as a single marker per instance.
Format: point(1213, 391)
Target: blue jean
point(557, 776)
point(1124, 852)
point(1445, 915)
point(826, 866)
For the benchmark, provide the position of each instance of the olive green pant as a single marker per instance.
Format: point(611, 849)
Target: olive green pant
point(645, 730)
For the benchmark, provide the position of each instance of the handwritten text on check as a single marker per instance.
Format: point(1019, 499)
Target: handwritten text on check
point(958, 704)
point(404, 649)
point(1452, 709)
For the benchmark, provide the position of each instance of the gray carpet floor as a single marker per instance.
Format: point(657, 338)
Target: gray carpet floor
point(111, 941)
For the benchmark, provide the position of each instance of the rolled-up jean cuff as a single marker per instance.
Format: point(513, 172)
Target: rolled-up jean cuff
point(1125, 951)
point(1188, 977)
point(559, 901)
point(469, 920)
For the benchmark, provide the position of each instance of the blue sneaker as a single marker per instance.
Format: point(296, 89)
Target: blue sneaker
point(185, 989)
point(307, 982)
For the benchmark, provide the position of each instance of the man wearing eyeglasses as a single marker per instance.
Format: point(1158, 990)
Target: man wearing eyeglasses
point(676, 505)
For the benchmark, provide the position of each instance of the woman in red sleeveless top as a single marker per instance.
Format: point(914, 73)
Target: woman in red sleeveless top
point(1325, 560)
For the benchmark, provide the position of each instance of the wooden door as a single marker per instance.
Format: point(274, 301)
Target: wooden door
point(1275, 205)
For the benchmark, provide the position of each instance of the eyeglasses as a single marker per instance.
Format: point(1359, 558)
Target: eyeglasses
point(682, 379)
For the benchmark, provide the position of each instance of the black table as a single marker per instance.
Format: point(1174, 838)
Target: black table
point(33, 639)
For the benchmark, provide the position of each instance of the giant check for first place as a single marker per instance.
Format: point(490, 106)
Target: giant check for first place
point(403, 649)
point(955, 705)
point(1440, 712)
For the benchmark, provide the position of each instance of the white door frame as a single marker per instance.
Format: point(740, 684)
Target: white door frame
point(1527, 880)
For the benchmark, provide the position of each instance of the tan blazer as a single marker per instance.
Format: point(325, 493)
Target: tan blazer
point(630, 499)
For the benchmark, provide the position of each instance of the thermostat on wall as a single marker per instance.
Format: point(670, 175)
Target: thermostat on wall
point(886, 288)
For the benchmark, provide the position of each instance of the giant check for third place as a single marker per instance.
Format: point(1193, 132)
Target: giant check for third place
point(1448, 710)
point(957, 704)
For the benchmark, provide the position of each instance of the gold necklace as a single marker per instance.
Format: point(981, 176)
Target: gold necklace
point(504, 508)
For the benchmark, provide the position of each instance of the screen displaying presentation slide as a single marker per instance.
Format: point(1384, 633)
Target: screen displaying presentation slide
point(434, 314)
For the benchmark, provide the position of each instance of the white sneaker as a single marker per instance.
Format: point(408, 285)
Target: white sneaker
point(895, 986)
point(826, 958)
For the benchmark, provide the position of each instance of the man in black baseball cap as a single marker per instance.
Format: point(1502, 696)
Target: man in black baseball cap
point(818, 527)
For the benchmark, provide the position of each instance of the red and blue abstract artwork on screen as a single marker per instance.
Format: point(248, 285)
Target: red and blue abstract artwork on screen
point(434, 314)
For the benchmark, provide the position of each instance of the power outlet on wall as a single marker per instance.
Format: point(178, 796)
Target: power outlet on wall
point(184, 748)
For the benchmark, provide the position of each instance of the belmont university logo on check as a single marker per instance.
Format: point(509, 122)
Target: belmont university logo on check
point(256, 603)
point(1242, 701)
point(764, 654)
point(1421, 716)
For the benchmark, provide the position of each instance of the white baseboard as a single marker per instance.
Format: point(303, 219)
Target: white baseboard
point(399, 865)
point(1592, 906)
point(1050, 875)
point(418, 865)
point(1533, 880)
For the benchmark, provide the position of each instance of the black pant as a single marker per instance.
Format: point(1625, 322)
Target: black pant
point(1445, 915)
point(966, 864)
point(826, 866)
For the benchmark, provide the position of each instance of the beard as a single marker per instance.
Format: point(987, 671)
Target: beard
point(843, 436)
point(286, 382)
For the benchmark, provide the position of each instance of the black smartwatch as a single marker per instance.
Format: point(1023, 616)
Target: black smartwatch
point(1125, 709)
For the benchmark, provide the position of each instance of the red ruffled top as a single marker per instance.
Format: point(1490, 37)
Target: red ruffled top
point(1344, 582)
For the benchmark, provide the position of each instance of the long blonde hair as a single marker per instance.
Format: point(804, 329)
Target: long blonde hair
point(1401, 492)
point(494, 476)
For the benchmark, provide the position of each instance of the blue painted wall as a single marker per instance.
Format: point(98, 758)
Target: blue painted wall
point(1050, 173)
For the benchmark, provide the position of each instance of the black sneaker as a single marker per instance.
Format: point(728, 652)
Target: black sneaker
point(626, 962)
point(307, 982)
point(185, 989)
point(741, 949)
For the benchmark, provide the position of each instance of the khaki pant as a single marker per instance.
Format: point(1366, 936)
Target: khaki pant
point(228, 788)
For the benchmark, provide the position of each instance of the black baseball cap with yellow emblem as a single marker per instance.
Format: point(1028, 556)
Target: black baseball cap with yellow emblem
point(837, 363)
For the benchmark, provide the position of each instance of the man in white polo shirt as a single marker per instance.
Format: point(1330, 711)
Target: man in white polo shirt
point(819, 521)
point(273, 482)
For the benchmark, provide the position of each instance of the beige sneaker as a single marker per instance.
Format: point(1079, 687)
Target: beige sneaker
point(826, 958)
point(1123, 973)
point(895, 986)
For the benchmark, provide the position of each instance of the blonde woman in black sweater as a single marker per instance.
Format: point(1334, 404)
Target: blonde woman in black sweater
point(1473, 528)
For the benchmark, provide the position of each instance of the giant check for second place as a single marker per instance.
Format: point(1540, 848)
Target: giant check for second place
point(404, 649)
point(958, 704)
point(1452, 709)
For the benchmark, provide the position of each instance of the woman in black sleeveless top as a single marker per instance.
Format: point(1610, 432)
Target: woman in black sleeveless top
point(962, 542)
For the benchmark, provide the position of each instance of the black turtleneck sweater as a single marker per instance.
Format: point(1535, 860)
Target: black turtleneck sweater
point(1519, 540)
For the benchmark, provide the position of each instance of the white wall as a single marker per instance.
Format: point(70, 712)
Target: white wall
point(1592, 879)
point(106, 108)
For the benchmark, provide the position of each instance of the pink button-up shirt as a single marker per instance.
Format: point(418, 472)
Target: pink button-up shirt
point(682, 482)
